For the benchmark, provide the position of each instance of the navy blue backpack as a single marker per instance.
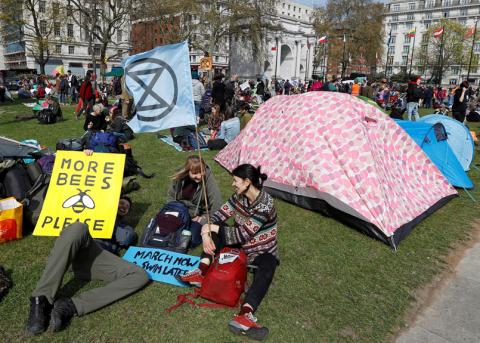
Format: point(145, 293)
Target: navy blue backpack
point(103, 142)
point(159, 235)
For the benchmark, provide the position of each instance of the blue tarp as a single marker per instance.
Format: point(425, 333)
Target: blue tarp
point(433, 139)
point(459, 138)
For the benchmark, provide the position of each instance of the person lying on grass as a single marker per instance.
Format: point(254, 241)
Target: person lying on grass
point(255, 231)
point(89, 260)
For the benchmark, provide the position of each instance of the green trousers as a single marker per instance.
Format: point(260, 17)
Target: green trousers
point(75, 247)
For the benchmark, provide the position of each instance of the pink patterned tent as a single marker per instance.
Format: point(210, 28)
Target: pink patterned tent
point(336, 154)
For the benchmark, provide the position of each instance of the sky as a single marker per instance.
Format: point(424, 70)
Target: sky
point(315, 3)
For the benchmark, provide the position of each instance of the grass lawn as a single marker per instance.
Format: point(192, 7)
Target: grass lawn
point(333, 284)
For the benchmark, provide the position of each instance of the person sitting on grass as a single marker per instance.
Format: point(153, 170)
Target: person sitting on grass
point(96, 120)
point(244, 115)
point(255, 230)
point(215, 120)
point(229, 129)
point(187, 188)
point(88, 260)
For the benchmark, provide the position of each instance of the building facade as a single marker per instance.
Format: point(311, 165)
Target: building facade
point(289, 51)
point(68, 44)
point(402, 16)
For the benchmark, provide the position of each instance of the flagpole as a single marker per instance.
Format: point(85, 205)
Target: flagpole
point(202, 171)
point(471, 50)
point(386, 59)
point(343, 58)
point(325, 61)
point(276, 57)
point(411, 58)
point(440, 71)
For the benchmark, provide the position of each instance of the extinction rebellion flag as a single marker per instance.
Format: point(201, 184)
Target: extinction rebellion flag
point(161, 84)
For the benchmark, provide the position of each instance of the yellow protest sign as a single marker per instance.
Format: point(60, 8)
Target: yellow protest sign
point(82, 188)
point(205, 64)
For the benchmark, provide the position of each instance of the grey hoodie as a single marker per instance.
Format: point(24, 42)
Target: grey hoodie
point(196, 206)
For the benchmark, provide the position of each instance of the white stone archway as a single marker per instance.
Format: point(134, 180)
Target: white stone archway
point(287, 62)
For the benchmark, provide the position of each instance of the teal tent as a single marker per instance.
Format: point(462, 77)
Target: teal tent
point(116, 71)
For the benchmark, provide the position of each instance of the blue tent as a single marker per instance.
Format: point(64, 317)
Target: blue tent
point(459, 138)
point(433, 140)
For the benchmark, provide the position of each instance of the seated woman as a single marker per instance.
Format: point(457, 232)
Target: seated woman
point(255, 230)
point(215, 120)
point(95, 121)
point(187, 187)
point(229, 129)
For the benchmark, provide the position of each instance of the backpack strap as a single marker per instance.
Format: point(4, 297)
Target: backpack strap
point(189, 298)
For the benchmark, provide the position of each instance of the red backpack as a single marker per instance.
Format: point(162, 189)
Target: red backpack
point(223, 283)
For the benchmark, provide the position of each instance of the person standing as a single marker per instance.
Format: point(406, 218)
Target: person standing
point(414, 94)
point(460, 100)
point(86, 95)
point(198, 91)
point(72, 86)
point(218, 92)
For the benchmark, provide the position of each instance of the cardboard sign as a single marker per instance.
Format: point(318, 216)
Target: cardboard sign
point(205, 64)
point(82, 188)
point(162, 265)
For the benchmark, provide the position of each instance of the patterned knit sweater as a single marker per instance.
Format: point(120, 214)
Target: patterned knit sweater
point(255, 227)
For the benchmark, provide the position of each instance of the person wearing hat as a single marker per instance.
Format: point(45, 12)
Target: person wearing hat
point(198, 92)
point(414, 94)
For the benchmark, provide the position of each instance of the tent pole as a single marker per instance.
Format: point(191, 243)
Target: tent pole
point(204, 189)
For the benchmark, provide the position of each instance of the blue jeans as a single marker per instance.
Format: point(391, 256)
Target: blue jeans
point(195, 228)
point(197, 108)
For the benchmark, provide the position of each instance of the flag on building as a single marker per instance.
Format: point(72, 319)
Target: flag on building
point(322, 39)
point(470, 32)
point(161, 85)
point(438, 32)
point(411, 33)
point(274, 48)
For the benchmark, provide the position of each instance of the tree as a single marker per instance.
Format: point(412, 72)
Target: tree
point(209, 25)
point(31, 23)
point(354, 31)
point(439, 54)
point(101, 19)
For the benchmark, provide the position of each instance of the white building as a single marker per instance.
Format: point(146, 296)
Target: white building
point(69, 46)
point(289, 52)
point(403, 16)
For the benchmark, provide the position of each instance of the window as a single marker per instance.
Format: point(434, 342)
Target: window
point(289, 7)
point(217, 58)
point(119, 36)
point(424, 48)
point(294, 8)
point(409, 26)
point(428, 15)
point(425, 38)
point(404, 60)
point(463, 11)
point(407, 40)
point(70, 30)
point(283, 5)
point(56, 28)
point(393, 27)
point(463, 21)
point(410, 16)
point(390, 60)
point(453, 82)
point(391, 50)
point(41, 6)
point(447, 3)
point(43, 27)
point(71, 50)
point(455, 70)
point(430, 4)
point(69, 11)
point(97, 49)
point(427, 25)
point(393, 39)
point(476, 47)
point(389, 71)
point(119, 53)
point(395, 18)
point(55, 8)
point(396, 8)
point(411, 6)
point(406, 50)
point(58, 48)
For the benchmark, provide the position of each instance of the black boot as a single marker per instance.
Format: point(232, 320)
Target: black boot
point(63, 310)
point(39, 315)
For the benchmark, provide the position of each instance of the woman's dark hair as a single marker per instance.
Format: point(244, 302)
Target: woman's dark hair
point(124, 197)
point(247, 171)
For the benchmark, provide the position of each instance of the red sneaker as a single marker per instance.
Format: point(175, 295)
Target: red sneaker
point(193, 277)
point(246, 325)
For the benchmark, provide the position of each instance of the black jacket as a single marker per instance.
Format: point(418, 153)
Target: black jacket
point(414, 94)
